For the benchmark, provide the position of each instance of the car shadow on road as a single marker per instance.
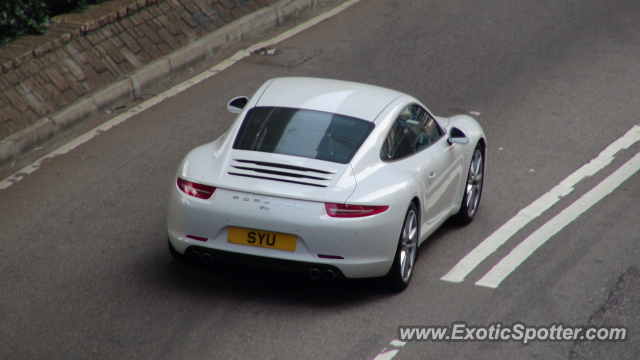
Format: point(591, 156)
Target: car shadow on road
point(266, 285)
point(449, 227)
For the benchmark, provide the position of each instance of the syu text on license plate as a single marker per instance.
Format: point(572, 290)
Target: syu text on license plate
point(263, 239)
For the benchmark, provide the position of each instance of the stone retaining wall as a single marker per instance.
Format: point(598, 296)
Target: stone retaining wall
point(84, 52)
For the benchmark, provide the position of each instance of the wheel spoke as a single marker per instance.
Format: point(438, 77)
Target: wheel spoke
point(412, 234)
point(408, 267)
point(411, 223)
point(478, 164)
point(472, 202)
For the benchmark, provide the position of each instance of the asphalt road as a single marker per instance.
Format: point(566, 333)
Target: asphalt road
point(84, 267)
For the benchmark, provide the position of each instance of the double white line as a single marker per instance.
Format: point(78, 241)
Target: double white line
point(521, 252)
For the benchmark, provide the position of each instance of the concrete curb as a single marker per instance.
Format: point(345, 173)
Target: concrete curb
point(157, 72)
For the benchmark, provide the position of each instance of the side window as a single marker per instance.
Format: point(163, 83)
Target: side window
point(430, 131)
point(404, 134)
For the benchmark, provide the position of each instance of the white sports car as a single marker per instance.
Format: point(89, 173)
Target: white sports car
point(333, 178)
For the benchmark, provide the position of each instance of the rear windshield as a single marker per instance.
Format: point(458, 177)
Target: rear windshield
point(305, 133)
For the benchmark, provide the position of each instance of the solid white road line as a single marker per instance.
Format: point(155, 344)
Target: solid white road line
point(535, 209)
point(171, 92)
point(521, 252)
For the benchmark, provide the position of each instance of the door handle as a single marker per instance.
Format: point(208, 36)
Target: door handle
point(432, 176)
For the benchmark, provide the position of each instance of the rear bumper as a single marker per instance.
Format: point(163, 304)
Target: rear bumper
point(221, 256)
point(367, 245)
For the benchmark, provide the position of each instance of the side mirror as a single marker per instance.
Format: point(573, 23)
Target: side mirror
point(237, 104)
point(456, 136)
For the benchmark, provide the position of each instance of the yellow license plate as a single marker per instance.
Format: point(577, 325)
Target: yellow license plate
point(263, 239)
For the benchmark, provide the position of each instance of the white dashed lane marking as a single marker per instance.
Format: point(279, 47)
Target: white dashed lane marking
point(389, 354)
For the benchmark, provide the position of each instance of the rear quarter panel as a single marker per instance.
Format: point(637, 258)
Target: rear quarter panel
point(384, 183)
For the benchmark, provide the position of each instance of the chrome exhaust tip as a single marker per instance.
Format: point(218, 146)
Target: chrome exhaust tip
point(315, 274)
point(194, 256)
point(206, 258)
point(329, 275)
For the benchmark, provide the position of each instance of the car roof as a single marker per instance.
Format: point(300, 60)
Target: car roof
point(339, 97)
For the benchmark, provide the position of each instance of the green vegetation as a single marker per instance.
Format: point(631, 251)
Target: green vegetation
point(23, 17)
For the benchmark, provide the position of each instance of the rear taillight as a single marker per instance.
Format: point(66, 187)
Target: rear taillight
point(196, 190)
point(350, 211)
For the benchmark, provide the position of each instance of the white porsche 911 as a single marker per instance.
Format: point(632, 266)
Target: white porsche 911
point(333, 178)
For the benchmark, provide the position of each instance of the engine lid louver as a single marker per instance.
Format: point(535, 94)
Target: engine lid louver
point(281, 172)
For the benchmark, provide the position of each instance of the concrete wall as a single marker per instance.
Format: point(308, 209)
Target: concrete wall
point(83, 52)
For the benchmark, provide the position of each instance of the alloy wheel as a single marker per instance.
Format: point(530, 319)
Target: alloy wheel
point(474, 183)
point(408, 246)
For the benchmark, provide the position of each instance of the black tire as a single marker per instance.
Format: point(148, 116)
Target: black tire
point(473, 187)
point(397, 279)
